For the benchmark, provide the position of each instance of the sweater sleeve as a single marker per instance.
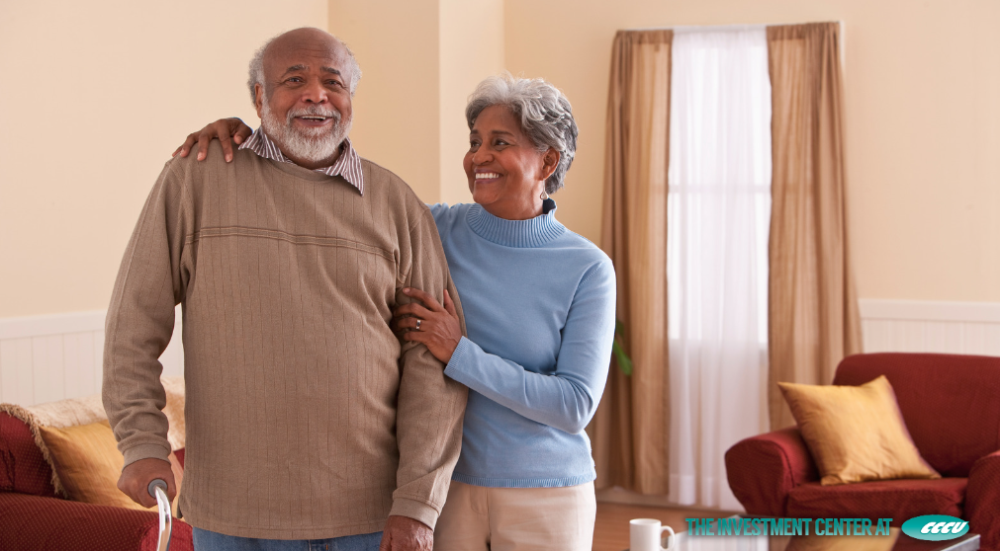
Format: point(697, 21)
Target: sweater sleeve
point(140, 322)
point(567, 398)
point(430, 406)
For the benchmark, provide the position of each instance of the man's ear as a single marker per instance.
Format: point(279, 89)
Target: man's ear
point(550, 160)
point(258, 99)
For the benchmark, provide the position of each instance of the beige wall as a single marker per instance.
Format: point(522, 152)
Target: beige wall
point(923, 123)
point(396, 105)
point(420, 60)
point(96, 95)
point(472, 48)
point(922, 120)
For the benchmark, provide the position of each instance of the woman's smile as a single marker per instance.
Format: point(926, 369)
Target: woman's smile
point(486, 177)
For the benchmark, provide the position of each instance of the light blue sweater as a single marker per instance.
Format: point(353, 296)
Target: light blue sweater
point(539, 304)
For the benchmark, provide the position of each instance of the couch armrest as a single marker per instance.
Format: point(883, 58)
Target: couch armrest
point(982, 501)
point(34, 523)
point(763, 469)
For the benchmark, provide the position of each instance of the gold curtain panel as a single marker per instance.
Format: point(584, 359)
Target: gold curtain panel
point(629, 432)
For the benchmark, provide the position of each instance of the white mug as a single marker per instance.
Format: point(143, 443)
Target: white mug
point(645, 535)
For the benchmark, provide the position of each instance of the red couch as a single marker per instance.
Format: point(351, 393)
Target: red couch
point(951, 405)
point(33, 518)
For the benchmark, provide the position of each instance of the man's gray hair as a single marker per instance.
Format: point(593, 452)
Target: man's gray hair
point(256, 75)
point(545, 114)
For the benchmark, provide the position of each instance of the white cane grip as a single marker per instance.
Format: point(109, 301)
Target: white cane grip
point(158, 489)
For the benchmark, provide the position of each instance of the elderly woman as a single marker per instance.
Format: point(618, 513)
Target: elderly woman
point(539, 305)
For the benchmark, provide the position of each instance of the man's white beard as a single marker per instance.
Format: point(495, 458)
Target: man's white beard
point(309, 144)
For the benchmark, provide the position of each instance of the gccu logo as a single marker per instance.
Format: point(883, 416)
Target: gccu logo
point(935, 527)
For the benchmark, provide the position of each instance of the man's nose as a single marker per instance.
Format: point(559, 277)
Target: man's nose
point(315, 92)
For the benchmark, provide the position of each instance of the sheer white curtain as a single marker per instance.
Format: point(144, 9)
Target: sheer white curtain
point(718, 210)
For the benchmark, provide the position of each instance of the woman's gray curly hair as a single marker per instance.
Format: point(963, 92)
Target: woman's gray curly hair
point(545, 114)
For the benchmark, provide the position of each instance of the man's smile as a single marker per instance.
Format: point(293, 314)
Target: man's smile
point(313, 121)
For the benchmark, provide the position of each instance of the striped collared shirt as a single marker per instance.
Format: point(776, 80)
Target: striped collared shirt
point(347, 166)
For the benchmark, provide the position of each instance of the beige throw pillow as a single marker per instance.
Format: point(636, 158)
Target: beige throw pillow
point(855, 433)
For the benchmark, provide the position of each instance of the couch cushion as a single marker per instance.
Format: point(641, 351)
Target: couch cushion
point(31, 523)
point(22, 467)
point(949, 402)
point(896, 499)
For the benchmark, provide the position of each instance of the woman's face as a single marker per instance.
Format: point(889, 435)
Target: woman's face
point(506, 171)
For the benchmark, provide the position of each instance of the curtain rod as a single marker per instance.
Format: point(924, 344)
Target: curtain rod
point(687, 28)
point(691, 28)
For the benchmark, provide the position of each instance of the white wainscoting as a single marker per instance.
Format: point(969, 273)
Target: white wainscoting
point(48, 358)
point(930, 326)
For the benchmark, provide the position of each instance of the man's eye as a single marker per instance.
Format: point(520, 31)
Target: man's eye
point(473, 145)
point(294, 80)
point(500, 142)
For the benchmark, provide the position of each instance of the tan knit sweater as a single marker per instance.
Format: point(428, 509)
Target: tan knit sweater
point(305, 416)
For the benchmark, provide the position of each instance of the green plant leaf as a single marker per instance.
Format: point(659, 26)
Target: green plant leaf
point(621, 358)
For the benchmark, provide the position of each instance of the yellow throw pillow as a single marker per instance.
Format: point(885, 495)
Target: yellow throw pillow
point(88, 463)
point(855, 433)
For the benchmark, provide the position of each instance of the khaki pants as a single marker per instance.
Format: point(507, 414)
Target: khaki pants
point(517, 519)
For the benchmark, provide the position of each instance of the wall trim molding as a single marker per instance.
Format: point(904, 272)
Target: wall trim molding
point(926, 310)
point(58, 356)
point(52, 324)
point(944, 327)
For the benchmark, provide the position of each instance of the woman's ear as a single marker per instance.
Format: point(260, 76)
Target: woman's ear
point(550, 160)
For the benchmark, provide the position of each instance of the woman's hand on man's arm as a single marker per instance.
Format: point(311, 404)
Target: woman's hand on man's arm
point(226, 130)
point(432, 324)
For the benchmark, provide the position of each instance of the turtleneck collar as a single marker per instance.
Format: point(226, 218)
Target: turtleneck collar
point(533, 232)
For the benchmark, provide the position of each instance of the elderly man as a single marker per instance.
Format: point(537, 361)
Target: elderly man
point(306, 418)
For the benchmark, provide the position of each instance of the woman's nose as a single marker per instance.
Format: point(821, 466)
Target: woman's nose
point(481, 156)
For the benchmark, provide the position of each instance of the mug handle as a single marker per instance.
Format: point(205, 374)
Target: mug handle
point(670, 539)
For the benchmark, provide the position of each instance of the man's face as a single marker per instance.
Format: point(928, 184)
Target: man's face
point(305, 103)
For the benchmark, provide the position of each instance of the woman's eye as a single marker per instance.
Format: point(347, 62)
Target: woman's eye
point(473, 145)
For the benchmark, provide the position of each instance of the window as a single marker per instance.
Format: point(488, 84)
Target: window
point(719, 203)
